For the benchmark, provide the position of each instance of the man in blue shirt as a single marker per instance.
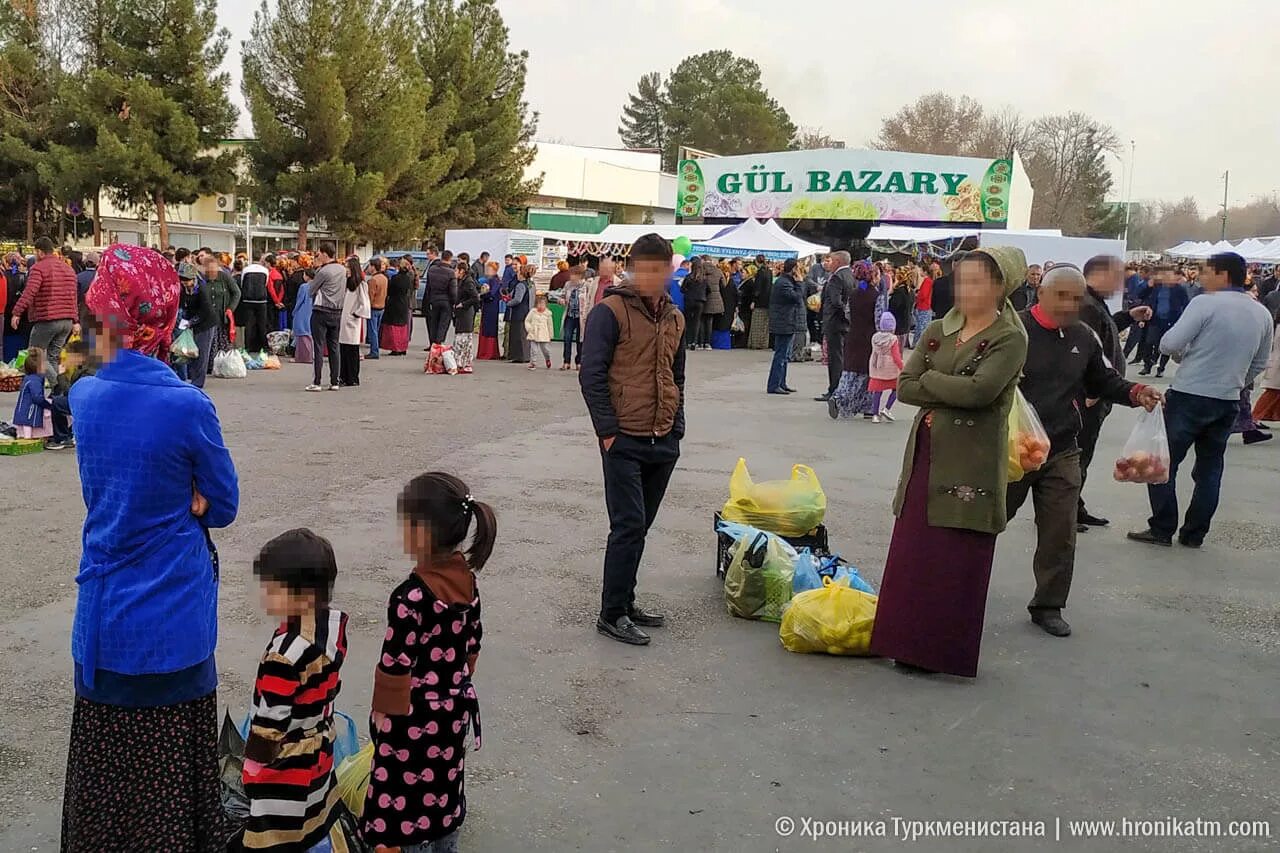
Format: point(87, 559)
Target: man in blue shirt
point(1167, 299)
point(1222, 342)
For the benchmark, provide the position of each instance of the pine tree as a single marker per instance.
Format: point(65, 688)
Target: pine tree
point(715, 101)
point(643, 122)
point(475, 78)
point(157, 101)
point(27, 85)
point(337, 109)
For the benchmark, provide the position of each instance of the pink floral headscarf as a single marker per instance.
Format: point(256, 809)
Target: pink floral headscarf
point(136, 292)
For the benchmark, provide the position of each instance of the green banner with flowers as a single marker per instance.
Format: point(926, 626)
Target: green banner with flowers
point(846, 184)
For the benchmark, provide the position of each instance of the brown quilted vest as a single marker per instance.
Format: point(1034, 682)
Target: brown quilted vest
point(642, 385)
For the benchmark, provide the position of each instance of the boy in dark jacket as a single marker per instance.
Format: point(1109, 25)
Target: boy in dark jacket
point(1065, 367)
point(632, 379)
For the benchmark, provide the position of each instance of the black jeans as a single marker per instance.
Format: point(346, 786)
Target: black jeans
point(693, 323)
point(704, 329)
point(1204, 423)
point(324, 334)
point(349, 368)
point(835, 357)
point(439, 319)
point(1151, 344)
point(1091, 420)
point(1136, 334)
point(636, 473)
point(255, 329)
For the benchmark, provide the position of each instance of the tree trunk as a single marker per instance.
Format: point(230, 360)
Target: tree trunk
point(161, 221)
point(97, 218)
point(302, 228)
point(31, 217)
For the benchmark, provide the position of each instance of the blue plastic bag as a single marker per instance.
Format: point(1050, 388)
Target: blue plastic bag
point(346, 739)
point(811, 570)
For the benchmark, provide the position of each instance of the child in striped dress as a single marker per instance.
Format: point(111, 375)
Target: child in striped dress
point(288, 768)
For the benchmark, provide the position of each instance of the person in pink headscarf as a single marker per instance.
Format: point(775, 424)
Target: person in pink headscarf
point(142, 771)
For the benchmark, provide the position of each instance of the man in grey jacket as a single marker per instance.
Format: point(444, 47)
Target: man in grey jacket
point(327, 292)
point(835, 316)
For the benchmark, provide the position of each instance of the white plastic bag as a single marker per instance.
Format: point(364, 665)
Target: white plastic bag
point(450, 361)
point(1145, 458)
point(229, 365)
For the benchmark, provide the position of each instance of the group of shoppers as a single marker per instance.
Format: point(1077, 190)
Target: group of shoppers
point(954, 495)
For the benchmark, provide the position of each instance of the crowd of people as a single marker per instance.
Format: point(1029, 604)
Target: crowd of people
point(146, 617)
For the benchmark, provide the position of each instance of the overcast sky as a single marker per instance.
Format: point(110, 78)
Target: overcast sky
point(1193, 83)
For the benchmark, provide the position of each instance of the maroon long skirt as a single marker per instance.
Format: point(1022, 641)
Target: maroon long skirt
point(488, 350)
point(934, 592)
point(395, 338)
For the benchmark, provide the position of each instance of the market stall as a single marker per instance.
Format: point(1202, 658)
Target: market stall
point(1039, 245)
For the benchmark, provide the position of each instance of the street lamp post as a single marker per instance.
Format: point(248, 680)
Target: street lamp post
point(1128, 201)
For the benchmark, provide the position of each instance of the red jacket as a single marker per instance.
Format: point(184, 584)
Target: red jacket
point(275, 286)
point(50, 293)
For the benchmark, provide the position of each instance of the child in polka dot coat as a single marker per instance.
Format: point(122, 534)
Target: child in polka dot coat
point(424, 703)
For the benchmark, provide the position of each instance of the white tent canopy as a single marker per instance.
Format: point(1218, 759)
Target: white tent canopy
point(757, 238)
point(1039, 245)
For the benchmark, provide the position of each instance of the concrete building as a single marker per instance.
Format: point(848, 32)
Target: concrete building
point(586, 189)
point(583, 190)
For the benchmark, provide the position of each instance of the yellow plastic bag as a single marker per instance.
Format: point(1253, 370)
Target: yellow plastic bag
point(836, 619)
point(353, 779)
point(786, 507)
point(1028, 440)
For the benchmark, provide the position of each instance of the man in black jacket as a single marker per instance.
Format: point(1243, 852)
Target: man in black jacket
point(1024, 296)
point(835, 316)
point(1104, 277)
point(1065, 367)
point(441, 296)
point(694, 287)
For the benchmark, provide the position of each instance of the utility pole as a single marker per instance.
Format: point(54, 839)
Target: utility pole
point(1226, 183)
point(1128, 201)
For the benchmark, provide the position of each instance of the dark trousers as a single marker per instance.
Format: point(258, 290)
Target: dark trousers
point(835, 357)
point(1136, 334)
point(781, 356)
point(349, 366)
point(704, 330)
point(198, 368)
point(814, 320)
point(571, 331)
point(1055, 492)
point(61, 418)
point(1151, 344)
point(439, 319)
point(255, 327)
point(324, 336)
point(636, 473)
point(1203, 423)
point(693, 322)
point(1091, 421)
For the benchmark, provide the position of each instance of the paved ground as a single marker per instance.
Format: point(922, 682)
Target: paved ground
point(1163, 704)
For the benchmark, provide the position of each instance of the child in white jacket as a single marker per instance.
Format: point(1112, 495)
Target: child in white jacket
point(886, 366)
point(540, 328)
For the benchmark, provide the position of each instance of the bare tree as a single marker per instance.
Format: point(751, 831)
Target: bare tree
point(809, 138)
point(936, 123)
point(1003, 133)
point(1067, 169)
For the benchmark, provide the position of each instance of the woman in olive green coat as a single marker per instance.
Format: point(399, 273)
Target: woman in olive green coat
point(950, 502)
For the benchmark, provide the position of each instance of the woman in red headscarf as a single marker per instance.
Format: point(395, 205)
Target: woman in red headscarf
point(142, 772)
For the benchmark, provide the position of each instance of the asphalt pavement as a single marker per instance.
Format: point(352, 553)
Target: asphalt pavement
point(1164, 704)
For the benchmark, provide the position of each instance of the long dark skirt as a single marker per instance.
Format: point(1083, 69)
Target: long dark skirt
point(934, 592)
point(143, 779)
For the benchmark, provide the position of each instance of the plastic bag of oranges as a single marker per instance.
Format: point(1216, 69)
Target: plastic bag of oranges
point(1028, 441)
